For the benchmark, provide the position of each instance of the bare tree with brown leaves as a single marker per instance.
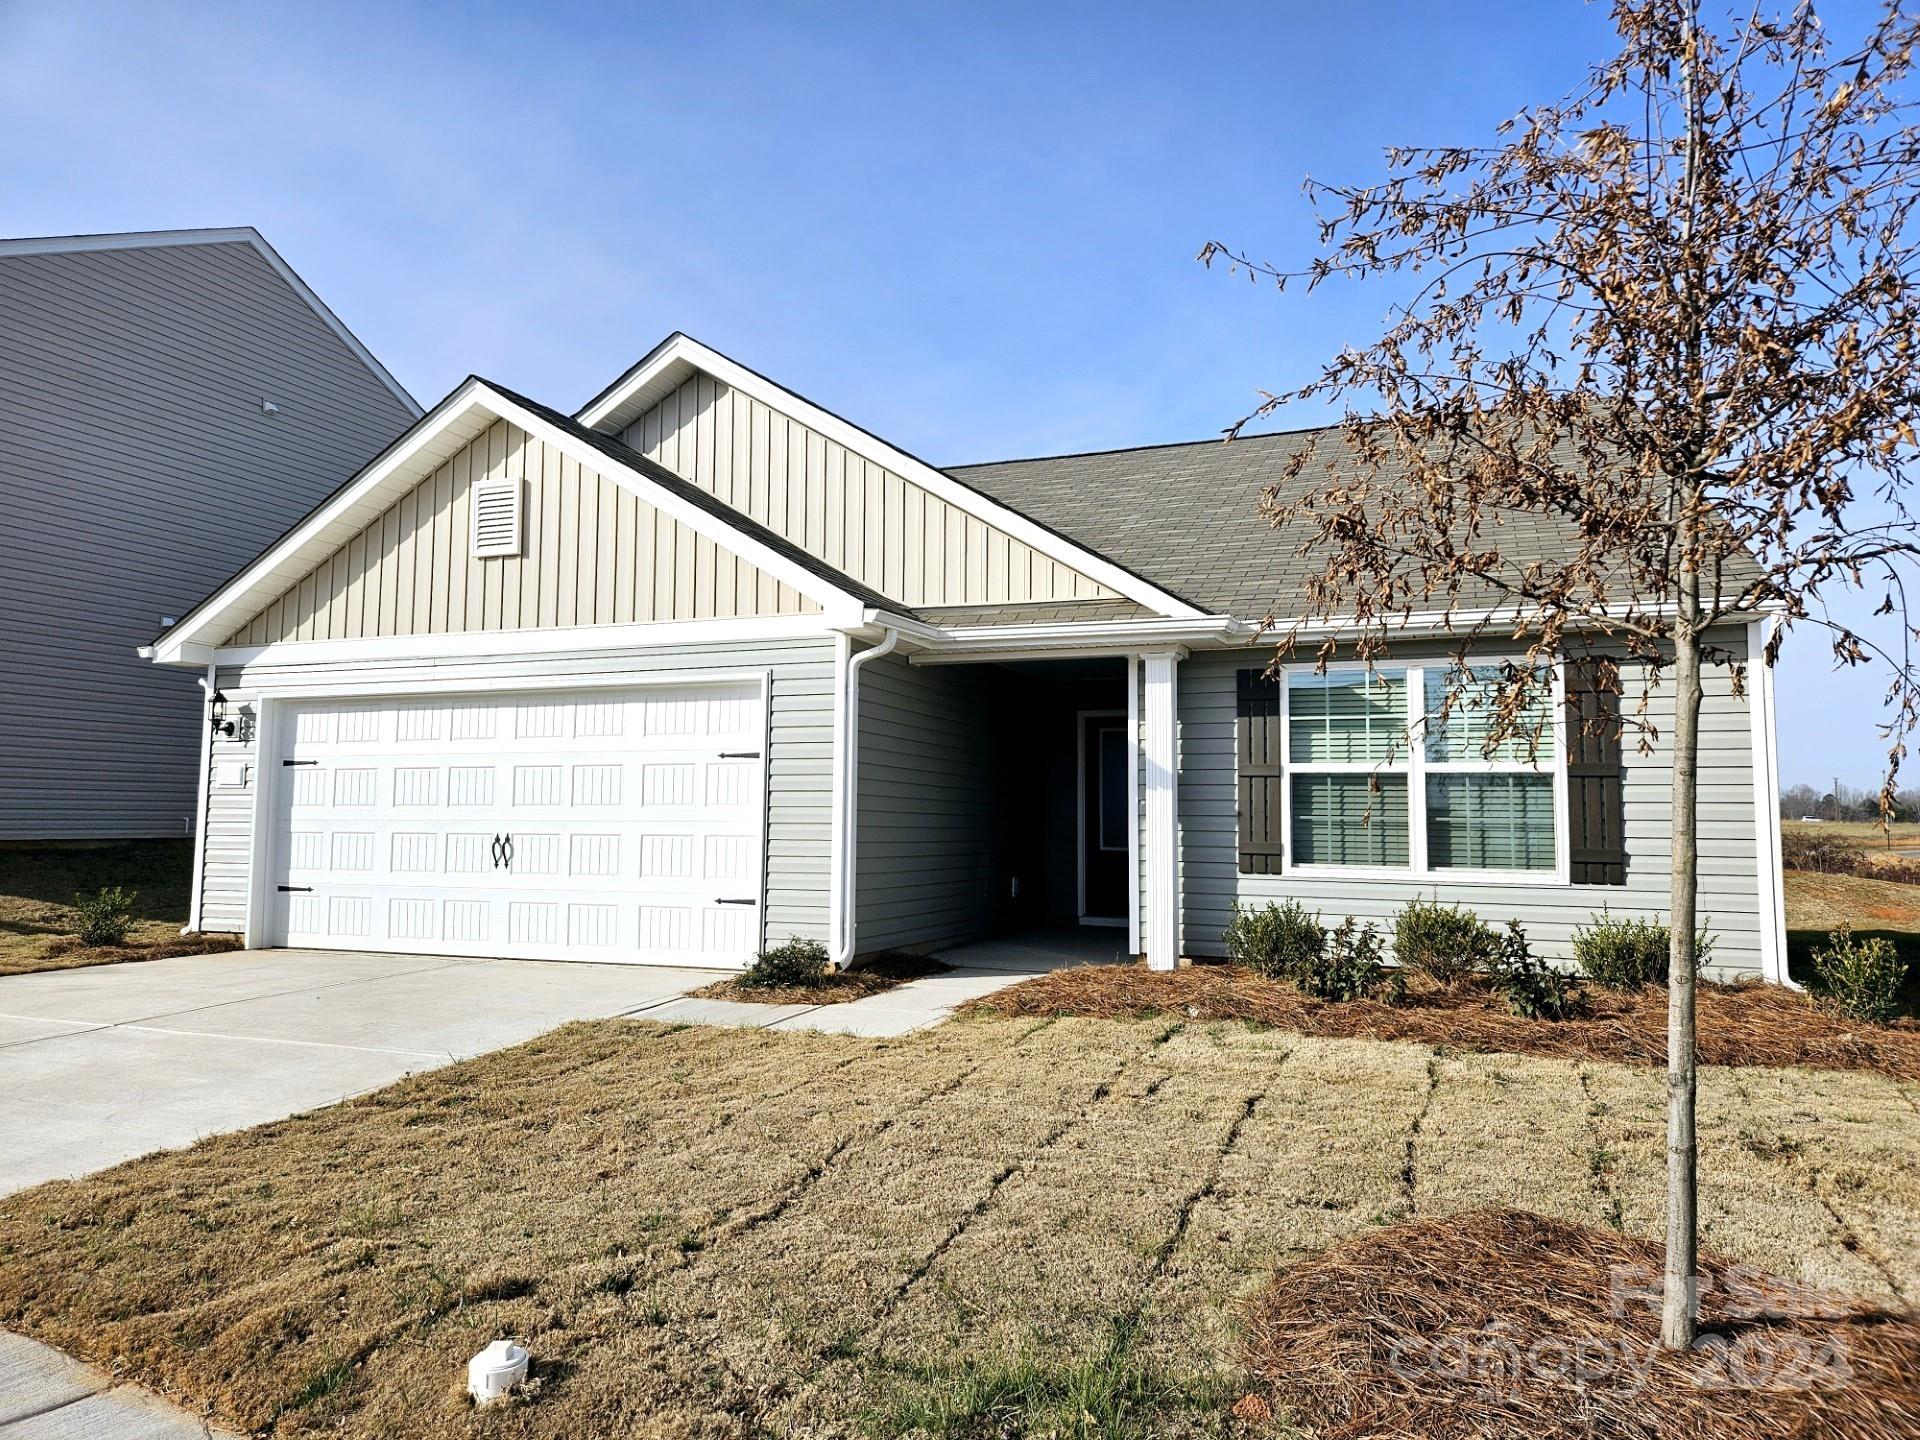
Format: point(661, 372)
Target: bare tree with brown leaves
point(1674, 317)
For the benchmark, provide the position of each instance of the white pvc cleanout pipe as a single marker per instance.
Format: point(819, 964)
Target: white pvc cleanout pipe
point(850, 800)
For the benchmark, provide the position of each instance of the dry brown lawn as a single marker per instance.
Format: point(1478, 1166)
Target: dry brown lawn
point(994, 1227)
point(1863, 833)
point(38, 883)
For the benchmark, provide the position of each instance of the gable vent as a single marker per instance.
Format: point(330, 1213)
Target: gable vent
point(496, 517)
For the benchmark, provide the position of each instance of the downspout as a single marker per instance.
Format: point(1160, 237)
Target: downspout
point(850, 798)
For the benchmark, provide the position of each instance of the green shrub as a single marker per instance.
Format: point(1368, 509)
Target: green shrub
point(796, 964)
point(1627, 954)
point(1351, 966)
point(1861, 978)
point(1275, 940)
point(1442, 942)
point(106, 915)
point(1532, 988)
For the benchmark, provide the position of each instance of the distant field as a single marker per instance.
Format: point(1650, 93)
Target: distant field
point(1903, 836)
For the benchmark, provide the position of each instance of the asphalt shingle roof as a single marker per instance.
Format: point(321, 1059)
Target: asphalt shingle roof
point(1186, 517)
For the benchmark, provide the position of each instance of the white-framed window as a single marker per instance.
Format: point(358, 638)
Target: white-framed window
point(1377, 781)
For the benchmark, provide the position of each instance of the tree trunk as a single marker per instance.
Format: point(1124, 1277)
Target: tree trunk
point(1680, 1313)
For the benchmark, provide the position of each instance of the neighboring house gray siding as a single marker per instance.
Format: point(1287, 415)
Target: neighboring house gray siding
point(932, 833)
point(138, 471)
point(1209, 854)
point(799, 757)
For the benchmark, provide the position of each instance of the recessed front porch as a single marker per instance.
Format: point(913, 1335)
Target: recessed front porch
point(997, 800)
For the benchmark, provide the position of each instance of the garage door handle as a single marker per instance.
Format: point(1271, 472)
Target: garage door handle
point(723, 900)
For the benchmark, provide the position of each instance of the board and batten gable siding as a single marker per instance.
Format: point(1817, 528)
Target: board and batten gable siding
point(874, 525)
point(138, 469)
point(1209, 835)
point(593, 553)
point(799, 754)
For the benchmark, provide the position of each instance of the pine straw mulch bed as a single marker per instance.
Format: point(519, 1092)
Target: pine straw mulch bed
point(1746, 1024)
point(71, 954)
point(837, 988)
point(1493, 1324)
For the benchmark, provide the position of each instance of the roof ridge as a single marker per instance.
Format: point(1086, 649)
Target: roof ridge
point(1142, 449)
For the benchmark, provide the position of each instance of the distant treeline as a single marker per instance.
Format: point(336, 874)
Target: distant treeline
point(1844, 802)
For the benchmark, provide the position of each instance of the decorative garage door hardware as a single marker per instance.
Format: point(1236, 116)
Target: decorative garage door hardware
point(503, 852)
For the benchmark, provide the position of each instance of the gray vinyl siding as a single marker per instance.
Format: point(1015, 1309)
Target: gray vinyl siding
point(1209, 838)
point(930, 828)
point(799, 756)
point(137, 471)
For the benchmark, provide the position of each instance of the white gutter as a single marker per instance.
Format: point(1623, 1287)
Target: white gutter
point(850, 797)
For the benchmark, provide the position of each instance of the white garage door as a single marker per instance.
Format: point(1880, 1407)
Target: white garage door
point(602, 825)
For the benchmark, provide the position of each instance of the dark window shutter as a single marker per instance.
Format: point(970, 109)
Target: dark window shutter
point(1257, 743)
point(1596, 809)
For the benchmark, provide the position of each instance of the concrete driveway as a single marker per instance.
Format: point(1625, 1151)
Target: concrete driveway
point(102, 1064)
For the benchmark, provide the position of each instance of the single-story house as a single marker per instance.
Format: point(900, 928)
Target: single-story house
point(170, 400)
point(705, 665)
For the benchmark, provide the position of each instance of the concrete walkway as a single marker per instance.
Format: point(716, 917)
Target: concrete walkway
point(44, 1395)
point(977, 970)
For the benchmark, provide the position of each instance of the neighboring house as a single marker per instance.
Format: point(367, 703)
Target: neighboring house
point(169, 403)
point(705, 665)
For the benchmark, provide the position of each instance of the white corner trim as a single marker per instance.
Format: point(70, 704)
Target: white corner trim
point(1133, 804)
point(364, 496)
point(1161, 745)
point(837, 822)
point(1771, 893)
point(204, 798)
point(680, 350)
point(232, 235)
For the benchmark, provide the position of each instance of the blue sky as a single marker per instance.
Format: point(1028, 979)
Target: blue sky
point(969, 228)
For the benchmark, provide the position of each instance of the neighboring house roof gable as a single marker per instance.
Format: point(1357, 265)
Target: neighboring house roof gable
point(233, 235)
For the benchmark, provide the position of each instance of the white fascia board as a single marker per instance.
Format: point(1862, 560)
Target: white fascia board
point(231, 235)
point(680, 351)
point(409, 461)
point(543, 641)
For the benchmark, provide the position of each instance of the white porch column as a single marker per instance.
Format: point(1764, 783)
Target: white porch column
point(1159, 750)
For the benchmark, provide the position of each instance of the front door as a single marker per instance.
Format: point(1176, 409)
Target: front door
point(1105, 820)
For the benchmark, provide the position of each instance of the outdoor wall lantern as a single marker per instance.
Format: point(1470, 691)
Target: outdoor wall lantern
point(218, 719)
